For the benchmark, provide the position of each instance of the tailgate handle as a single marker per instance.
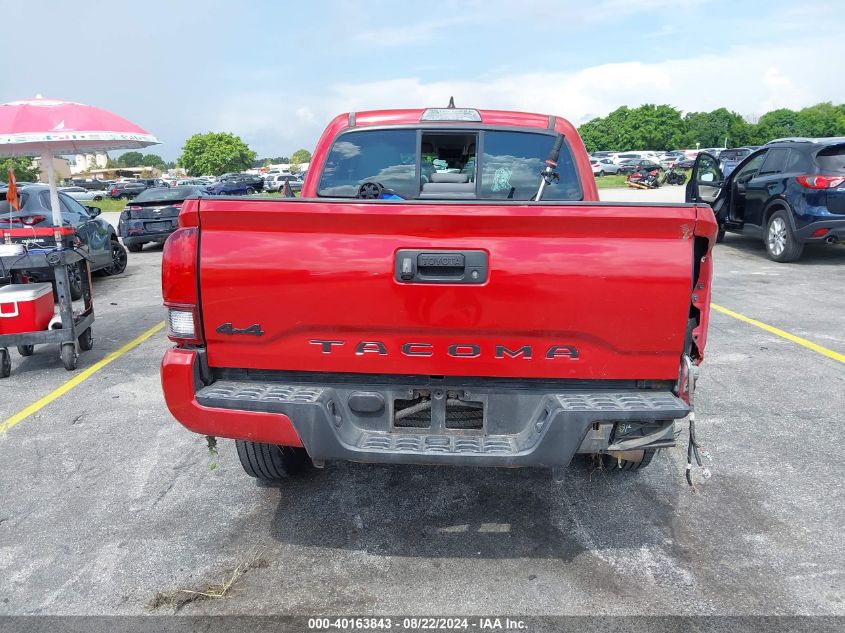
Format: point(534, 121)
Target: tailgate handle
point(441, 266)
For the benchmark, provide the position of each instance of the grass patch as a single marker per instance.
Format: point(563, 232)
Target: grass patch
point(106, 205)
point(609, 182)
point(181, 597)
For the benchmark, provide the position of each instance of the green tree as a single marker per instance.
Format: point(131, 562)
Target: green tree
point(24, 171)
point(130, 159)
point(654, 127)
point(215, 153)
point(263, 162)
point(661, 127)
point(822, 119)
point(596, 135)
point(776, 124)
point(300, 156)
point(153, 160)
point(710, 129)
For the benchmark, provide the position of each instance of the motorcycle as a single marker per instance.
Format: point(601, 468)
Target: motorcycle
point(639, 180)
point(675, 177)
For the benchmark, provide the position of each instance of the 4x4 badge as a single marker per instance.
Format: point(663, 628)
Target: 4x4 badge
point(253, 330)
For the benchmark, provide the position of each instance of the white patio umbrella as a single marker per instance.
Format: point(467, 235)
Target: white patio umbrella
point(49, 128)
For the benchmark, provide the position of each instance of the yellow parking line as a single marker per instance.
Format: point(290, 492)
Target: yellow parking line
point(778, 332)
point(77, 379)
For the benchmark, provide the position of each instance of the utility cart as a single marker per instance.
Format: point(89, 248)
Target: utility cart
point(75, 329)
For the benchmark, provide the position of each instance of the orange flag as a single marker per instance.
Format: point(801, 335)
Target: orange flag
point(12, 191)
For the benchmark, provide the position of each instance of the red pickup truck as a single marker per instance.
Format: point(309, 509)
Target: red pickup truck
point(447, 290)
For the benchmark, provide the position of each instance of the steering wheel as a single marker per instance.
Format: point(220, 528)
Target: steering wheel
point(370, 191)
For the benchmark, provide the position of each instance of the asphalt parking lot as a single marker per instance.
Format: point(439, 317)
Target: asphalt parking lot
point(105, 501)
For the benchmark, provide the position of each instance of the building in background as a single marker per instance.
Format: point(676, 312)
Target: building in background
point(84, 163)
point(61, 167)
point(112, 173)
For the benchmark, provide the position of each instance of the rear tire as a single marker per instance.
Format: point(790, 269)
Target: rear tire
point(26, 350)
point(118, 260)
point(614, 465)
point(74, 275)
point(269, 462)
point(781, 243)
point(5, 363)
point(720, 234)
point(135, 248)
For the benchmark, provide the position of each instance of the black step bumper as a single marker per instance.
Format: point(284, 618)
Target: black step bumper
point(523, 426)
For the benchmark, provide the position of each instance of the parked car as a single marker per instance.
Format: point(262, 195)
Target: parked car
point(603, 166)
point(730, 158)
point(667, 159)
point(638, 164)
point(81, 193)
point(275, 182)
point(236, 185)
point(153, 215)
point(621, 157)
point(92, 184)
point(126, 190)
point(33, 225)
point(601, 154)
point(516, 332)
point(683, 162)
point(789, 194)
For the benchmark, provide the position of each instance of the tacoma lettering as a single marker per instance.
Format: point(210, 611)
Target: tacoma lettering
point(455, 350)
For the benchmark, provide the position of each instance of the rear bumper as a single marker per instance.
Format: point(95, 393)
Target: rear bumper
point(524, 424)
point(136, 232)
point(835, 226)
point(181, 378)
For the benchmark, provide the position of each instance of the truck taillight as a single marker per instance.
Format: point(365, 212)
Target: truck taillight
point(820, 182)
point(181, 325)
point(179, 287)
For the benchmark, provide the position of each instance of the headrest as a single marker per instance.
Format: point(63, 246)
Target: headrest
point(449, 177)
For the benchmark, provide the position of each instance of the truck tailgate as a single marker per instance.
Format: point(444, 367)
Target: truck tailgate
point(585, 291)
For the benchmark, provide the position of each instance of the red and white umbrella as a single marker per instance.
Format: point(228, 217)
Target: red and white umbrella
point(49, 127)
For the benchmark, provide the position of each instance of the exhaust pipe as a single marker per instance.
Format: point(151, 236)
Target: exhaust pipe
point(831, 239)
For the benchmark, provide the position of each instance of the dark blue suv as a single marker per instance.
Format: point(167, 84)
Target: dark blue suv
point(789, 193)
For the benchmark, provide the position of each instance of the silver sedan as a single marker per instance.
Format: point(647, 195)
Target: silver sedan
point(603, 166)
point(82, 194)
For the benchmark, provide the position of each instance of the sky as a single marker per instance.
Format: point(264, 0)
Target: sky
point(276, 72)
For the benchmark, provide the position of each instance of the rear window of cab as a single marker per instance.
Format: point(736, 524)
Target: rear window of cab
point(447, 164)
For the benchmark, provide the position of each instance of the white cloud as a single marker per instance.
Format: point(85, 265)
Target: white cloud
point(749, 81)
point(405, 34)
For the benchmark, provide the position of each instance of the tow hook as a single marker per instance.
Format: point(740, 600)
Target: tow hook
point(689, 375)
